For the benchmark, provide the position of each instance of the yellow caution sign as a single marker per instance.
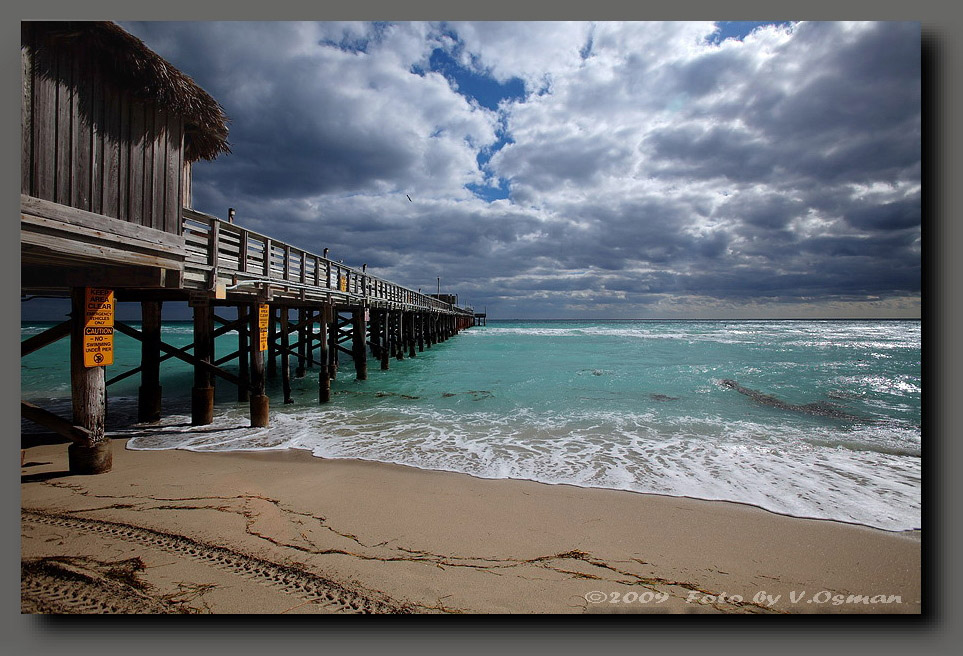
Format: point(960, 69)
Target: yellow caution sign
point(343, 283)
point(263, 318)
point(98, 342)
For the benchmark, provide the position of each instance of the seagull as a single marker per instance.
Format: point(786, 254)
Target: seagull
point(409, 198)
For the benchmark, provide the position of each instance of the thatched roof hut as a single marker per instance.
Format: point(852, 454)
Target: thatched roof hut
point(109, 132)
point(129, 63)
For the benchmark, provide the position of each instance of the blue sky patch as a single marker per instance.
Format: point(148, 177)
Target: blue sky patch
point(484, 89)
point(738, 29)
point(488, 193)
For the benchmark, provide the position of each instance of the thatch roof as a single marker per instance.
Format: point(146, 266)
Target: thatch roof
point(137, 68)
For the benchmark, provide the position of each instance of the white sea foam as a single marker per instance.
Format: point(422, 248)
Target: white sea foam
point(781, 469)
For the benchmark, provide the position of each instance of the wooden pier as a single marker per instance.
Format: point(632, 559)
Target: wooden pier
point(109, 132)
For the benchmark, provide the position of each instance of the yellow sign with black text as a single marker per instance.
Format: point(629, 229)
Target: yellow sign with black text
point(263, 317)
point(343, 283)
point(98, 338)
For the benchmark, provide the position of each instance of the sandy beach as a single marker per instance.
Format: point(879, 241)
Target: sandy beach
point(284, 532)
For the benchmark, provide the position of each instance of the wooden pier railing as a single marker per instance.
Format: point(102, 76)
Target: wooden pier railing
point(222, 253)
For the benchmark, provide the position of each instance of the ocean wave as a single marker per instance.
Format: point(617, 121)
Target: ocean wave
point(864, 479)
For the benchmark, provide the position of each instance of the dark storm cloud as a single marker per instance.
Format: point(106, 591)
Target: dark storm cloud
point(711, 152)
point(897, 215)
point(652, 168)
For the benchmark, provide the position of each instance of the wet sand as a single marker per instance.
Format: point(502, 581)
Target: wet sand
point(284, 532)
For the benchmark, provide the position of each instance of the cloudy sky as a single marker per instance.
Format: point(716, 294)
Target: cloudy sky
point(566, 170)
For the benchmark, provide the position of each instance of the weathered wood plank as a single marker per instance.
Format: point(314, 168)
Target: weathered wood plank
point(44, 131)
point(172, 175)
point(48, 336)
point(67, 246)
point(110, 203)
point(243, 253)
point(147, 199)
point(159, 173)
point(136, 165)
point(65, 132)
point(31, 225)
point(26, 108)
point(80, 161)
point(60, 426)
point(97, 139)
point(54, 277)
point(46, 209)
point(187, 179)
point(125, 146)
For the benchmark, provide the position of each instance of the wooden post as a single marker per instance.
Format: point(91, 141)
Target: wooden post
point(260, 403)
point(400, 335)
point(149, 394)
point(285, 356)
point(333, 344)
point(374, 334)
point(242, 352)
point(324, 381)
point(309, 337)
point(88, 397)
point(421, 331)
point(385, 328)
point(358, 346)
point(202, 394)
point(411, 334)
point(272, 365)
point(301, 342)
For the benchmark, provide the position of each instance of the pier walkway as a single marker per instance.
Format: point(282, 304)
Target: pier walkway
point(109, 135)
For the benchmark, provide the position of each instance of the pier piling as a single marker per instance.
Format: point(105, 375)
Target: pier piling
point(324, 380)
point(202, 394)
point(285, 356)
point(88, 399)
point(259, 402)
point(243, 346)
point(149, 393)
point(359, 346)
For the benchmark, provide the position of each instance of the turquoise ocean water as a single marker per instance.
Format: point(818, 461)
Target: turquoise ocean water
point(822, 418)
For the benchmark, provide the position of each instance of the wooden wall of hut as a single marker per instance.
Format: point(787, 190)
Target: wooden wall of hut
point(89, 144)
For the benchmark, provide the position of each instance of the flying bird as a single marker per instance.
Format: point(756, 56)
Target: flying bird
point(409, 198)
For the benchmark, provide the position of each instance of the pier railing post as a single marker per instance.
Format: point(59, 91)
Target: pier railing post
point(202, 394)
point(88, 397)
point(149, 394)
